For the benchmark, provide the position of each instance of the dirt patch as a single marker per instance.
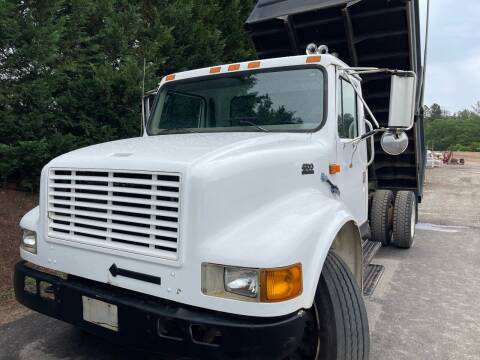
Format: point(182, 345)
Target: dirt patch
point(13, 205)
point(473, 156)
point(10, 309)
point(458, 203)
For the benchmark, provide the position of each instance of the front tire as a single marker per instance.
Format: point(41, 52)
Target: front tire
point(339, 315)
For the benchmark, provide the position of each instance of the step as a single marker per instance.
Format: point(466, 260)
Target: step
point(371, 278)
point(370, 248)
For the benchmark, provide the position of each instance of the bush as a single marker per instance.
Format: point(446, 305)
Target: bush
point(24, 161)
point(8, 162)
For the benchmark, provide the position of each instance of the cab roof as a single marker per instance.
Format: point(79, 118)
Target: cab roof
point(289, 61)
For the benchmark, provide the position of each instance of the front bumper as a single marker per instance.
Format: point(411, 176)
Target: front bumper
point(160, 326)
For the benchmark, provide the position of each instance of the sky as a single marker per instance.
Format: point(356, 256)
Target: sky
point(453, 61)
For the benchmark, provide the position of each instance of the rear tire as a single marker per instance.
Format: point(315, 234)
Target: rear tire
point(381, 216)
point(340, 318)
point(404, 219)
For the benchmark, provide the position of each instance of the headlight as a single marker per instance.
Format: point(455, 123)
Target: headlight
point(241, 282)
point(260, 285)
point(29, 241)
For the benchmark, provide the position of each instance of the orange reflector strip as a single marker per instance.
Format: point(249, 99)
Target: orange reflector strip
point(334, 169)
point(233, 67)
point(254, 64)
point(170, 77)
point(281, 284)
point(215, 69)
point(313, 59)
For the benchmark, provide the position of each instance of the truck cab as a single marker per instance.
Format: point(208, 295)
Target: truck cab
point(246, 179)
point(235, 226)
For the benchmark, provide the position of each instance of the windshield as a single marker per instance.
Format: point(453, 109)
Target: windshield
point(288, 100)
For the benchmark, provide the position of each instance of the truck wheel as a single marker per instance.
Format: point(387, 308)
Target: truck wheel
point(337, 323)
point(381, 216)
point(404, 219)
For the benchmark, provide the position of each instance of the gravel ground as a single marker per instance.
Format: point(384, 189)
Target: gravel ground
point(426, 304)
point(424, 307)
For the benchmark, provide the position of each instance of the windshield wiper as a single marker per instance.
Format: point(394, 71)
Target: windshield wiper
point(253, 124)
point(177, 129)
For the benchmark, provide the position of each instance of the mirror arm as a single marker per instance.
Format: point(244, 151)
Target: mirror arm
point(374, 119)
point(349, 72)
point(374, 132)
point(372, 146)
point(369, 133)
point(374, 70)
point(366, 135)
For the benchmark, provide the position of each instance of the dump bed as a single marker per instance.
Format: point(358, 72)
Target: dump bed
point(381, 33)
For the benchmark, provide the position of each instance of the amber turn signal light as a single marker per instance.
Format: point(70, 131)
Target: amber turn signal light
point(334, 169)
point(281, 284)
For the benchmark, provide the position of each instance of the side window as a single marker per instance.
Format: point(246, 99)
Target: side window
point(347, 111)
point(182, 110)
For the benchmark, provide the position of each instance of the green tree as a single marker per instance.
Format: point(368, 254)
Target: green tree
point(436, 111)
point(71, 71)
point(476, 108)
point(460, 132)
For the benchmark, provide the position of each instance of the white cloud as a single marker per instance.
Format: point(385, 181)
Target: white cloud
point(453, 71)
point(455, 85)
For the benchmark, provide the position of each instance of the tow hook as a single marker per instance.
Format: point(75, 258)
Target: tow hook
point(333, 188)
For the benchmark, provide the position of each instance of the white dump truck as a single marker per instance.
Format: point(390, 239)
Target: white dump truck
point(240, 223)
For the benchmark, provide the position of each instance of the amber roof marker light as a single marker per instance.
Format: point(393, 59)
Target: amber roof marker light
point(215, 69)
point(313, 59)
point(233, 67)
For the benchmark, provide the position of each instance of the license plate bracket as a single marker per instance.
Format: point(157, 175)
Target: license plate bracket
point(100, 313)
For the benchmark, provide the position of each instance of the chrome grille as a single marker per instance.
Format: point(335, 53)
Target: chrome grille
point(136, 212)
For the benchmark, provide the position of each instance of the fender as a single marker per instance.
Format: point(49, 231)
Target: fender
point(299, 228)
point(30, 220)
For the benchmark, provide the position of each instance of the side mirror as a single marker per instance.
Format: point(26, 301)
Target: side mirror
point(402, 102)
point(394, 142)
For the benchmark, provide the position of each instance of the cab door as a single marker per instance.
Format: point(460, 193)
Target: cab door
point(352, 179)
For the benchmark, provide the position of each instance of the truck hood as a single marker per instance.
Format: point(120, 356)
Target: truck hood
point(175, 152)
point(227, 179)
